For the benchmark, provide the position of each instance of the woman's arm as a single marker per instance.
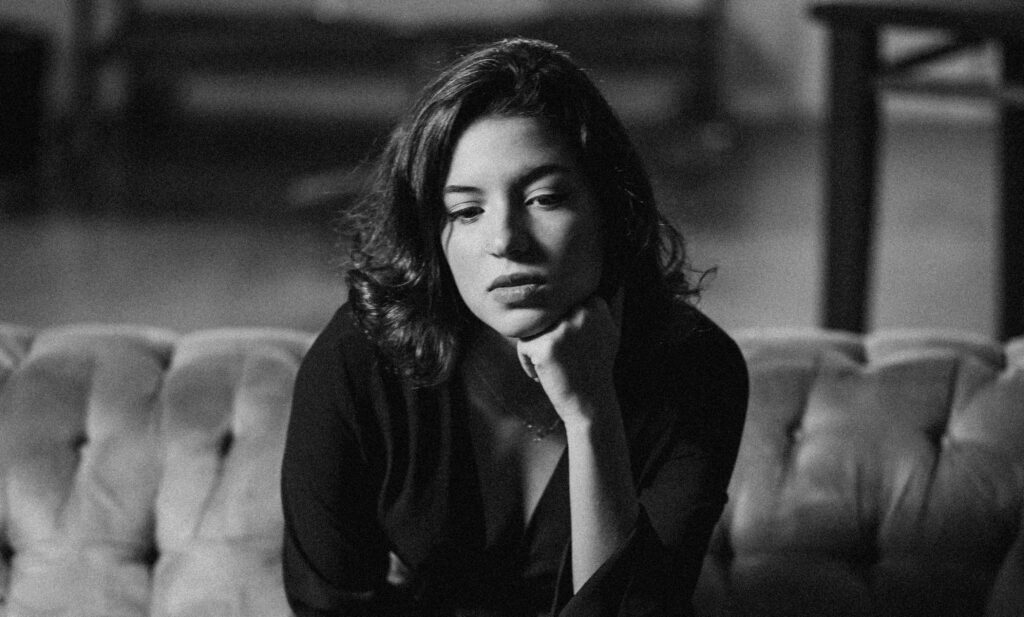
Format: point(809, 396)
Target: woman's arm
point(335, 556)
point(574, 363)
point(602, 498)
point(692, 407)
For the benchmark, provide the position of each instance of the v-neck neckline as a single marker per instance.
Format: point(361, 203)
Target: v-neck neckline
point(514, 526)
point(556, 486)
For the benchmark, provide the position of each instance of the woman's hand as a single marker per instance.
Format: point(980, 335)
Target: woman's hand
point(574, 359)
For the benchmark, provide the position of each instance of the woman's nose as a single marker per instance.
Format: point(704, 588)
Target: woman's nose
point(509, 237)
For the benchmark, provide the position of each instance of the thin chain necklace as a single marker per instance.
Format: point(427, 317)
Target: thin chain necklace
point(538, 431)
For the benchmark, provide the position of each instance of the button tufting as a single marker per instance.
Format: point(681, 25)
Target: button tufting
point(794, 435)
point(151, 556)
point(79, 441)
point(937, 435)
point(794, 432)
point(224, 446)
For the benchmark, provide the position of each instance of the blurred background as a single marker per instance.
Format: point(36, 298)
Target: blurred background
point(182, 162)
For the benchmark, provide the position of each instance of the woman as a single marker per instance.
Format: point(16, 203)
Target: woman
point(518, 412)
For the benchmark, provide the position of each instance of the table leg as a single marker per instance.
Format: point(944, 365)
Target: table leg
point(851, 168)
point(1012, 258)
point(83, 100)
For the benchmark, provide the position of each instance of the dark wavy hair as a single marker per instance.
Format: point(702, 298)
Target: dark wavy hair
point(400, 289)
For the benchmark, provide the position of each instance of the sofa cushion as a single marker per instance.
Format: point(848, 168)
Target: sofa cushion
point(218, 509)
point(878, 475)
point(78, 420)
point(139, 470)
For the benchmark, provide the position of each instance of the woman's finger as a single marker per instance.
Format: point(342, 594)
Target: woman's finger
point(526, 363)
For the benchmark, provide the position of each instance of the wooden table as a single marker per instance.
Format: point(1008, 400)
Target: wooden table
point(858, 74)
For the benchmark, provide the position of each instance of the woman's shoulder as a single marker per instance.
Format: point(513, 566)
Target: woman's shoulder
point(343, 377)
point(341, 347)
point(690, 379)
point(343, 332)
point(691, 356)
point(686, 332)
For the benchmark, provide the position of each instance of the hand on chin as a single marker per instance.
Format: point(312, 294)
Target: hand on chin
point(573, 356)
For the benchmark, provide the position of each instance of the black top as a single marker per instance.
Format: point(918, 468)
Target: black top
point(374, 467)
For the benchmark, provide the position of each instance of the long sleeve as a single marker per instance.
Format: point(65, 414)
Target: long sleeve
point(684, 458)
point(371, 467)
point(335, 554)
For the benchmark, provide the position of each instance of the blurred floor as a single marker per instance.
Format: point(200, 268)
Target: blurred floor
point(212, 235)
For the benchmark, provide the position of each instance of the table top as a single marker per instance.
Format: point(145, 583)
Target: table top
point(986, 18)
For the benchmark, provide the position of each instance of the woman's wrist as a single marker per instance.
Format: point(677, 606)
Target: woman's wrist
point(588, 405)
point(589, 422)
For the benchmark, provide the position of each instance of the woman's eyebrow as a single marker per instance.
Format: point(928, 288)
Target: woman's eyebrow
point(541, 171)
point(527, 178)
point(458, 188)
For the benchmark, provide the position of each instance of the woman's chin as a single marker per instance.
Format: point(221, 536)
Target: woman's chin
point(522, 324)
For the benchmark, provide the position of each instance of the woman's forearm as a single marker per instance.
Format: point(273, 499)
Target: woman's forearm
point(602, 496)
point(574, 363)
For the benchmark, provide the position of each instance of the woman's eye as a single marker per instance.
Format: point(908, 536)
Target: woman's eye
point(548, 200)
point(464, 214)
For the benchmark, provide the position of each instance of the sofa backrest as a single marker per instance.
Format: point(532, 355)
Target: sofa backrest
point(878, 475)
point(139, 470)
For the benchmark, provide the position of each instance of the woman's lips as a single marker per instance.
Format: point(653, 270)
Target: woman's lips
point(515, 288)
point(516, 294)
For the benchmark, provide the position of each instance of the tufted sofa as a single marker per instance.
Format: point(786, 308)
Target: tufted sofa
point(879, 475)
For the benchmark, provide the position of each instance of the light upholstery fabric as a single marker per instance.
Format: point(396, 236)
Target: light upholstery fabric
point(878, 475)
point(139, 470)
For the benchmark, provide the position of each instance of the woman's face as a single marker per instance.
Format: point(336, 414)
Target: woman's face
point(523, 232)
